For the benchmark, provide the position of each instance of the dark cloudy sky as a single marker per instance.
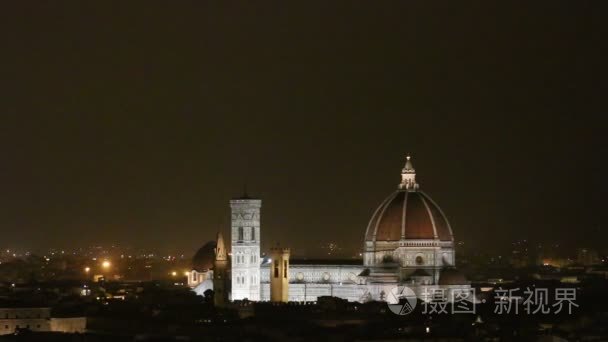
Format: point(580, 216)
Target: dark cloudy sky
point(136, 122)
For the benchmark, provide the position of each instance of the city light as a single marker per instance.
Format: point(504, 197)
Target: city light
point(87, 269)
point(106, 264)
point(174, 273)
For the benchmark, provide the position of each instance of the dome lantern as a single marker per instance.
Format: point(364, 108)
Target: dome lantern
point(408, 175)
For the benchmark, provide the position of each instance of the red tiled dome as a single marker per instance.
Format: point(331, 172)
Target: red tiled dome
point(408, 214)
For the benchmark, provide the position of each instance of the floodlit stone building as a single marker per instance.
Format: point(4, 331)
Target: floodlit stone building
point(408, 241)
point(38, 319)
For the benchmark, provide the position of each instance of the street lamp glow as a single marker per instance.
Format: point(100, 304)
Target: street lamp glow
point(105, 264)
point(87, 269)
point(174, 273)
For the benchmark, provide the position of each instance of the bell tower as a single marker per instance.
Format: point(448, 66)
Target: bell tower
point(245, 238)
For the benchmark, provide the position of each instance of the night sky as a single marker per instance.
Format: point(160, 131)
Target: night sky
point(135, 123)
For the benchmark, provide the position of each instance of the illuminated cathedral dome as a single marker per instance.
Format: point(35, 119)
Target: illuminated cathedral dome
point(408, 213)
point(204, 257)
point(409, 227)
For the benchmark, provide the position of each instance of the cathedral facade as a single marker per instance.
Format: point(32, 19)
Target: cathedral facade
point(408, 241)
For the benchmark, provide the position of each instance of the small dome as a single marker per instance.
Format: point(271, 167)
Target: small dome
point(451, 276)
point(204, 257)
point(408, 214)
